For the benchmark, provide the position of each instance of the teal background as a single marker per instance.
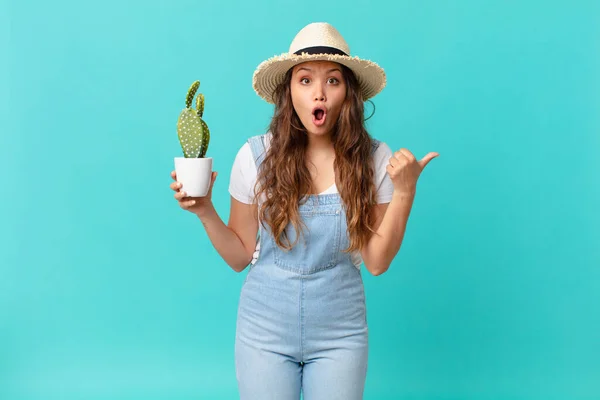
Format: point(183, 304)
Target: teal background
point(108, 290)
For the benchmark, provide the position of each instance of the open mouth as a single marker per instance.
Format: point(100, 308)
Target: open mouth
point(319, 115)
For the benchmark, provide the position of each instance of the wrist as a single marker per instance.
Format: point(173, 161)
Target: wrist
point(404, 194)
point(206, 213)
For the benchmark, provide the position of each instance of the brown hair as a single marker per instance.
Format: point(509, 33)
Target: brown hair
point(285, 180)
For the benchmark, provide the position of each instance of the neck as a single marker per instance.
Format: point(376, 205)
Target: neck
point(319, 144)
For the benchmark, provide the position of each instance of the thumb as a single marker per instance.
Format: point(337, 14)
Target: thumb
point(425, 160)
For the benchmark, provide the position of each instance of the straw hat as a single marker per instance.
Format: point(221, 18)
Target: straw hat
point(317, 41)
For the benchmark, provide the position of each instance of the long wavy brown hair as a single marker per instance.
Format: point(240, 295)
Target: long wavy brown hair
point(285, 180)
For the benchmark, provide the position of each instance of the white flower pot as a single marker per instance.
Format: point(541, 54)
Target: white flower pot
point(194, 174)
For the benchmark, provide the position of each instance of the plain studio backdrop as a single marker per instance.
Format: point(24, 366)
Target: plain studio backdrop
point(108, 290)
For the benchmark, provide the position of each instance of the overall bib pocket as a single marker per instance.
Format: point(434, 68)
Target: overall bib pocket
point(318, 245)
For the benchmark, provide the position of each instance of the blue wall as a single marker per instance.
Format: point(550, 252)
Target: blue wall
point(108, 290)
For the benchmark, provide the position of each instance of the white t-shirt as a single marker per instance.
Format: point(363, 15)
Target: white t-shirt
point(243, 178)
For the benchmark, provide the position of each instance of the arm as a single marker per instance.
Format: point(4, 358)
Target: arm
point(390, 225)
point(236, 241)
point(391, 219)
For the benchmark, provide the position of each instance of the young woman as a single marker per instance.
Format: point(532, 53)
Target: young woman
point(324, 197)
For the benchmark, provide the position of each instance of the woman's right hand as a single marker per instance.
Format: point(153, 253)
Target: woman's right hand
point(196, 205)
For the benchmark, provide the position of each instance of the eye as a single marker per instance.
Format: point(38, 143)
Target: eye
point(305, 80)
point(333, 81)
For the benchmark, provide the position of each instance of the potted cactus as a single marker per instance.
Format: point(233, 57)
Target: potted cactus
point(194, 169)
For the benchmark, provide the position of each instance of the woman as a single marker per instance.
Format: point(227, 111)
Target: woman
point(324, 197)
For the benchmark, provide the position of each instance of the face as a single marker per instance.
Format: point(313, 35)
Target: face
point(318, 90)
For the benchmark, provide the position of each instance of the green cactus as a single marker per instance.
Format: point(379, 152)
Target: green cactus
point(193, 132)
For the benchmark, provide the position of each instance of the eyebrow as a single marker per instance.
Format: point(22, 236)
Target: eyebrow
point(310, 70)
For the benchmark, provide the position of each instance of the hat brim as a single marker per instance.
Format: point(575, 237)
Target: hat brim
point(270, 73)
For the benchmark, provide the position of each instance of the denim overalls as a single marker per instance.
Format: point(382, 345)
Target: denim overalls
point(301, 322)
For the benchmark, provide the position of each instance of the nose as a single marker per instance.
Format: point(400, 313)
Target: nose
point(319, 93)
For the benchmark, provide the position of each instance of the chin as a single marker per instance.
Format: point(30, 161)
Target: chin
point(318, 130)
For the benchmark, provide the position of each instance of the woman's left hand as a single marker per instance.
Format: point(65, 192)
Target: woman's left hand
point(404, 170)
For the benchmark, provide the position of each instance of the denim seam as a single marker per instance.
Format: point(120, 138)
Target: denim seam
point(302, 335)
